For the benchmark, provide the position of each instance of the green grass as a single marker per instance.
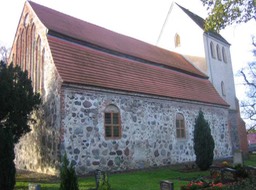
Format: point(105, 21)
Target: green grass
point(149, 179)
point(251, 161)
point(146, 179)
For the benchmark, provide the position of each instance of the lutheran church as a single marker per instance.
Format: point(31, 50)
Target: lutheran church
point(116, 103)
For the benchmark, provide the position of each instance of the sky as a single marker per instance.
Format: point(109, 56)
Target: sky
point(141, 19)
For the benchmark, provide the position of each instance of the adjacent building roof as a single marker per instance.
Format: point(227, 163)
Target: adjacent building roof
point(87, 54)
point(200, 22)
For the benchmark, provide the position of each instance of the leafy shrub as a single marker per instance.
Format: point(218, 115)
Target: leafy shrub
point(103, 182)
point(68, 176)
point(246, 184)
point(17, 100)
point(203, 142)
point(240, 171)
point(7, 166)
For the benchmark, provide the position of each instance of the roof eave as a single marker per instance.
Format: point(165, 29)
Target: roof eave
point(134, 93)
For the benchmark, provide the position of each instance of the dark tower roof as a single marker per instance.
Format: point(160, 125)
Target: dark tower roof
point(200, 22)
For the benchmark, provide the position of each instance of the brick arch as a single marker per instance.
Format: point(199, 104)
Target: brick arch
point(32, 57)
point(27, 49)
point(42, 71)
point(17, 50)
point(37, 69)
point(23, 49)
point(26, 20)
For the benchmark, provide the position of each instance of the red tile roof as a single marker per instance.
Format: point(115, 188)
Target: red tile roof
point(82, 65)
point(59, 23)
point(90, 55)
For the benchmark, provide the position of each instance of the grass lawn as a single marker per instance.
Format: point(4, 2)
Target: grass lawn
point(251, 161)
point(146, 179)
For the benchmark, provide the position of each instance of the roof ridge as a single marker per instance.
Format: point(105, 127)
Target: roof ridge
point(197, 19)
point(59, 24)
point(127, 56)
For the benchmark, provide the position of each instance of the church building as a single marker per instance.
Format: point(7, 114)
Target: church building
point(116, 103)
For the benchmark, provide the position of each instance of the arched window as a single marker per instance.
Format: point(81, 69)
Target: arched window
point(112, 122)
point(26, 20)
point(213, 53)
point(177, 40)
point(180, 126)
point(223, 90)
point(224, 55)
point(218, 52)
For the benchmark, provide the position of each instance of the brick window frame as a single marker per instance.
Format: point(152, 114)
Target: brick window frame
point(180, 126)
point(112, 122)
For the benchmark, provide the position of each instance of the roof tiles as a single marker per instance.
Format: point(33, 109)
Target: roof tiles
point(114, 61)
point(101, 37)
point(82, 65)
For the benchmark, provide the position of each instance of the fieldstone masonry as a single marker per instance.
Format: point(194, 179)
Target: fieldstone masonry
point(71, 120)
point(148, 131)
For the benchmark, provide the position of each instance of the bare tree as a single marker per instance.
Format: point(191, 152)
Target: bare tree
point(4, 53)
point(249, 75)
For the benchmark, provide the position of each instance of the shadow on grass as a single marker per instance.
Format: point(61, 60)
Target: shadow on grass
point(47, 182)
point(134, 180)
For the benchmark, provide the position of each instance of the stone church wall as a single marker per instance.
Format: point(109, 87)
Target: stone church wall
point(39, 150)
point(148, 131)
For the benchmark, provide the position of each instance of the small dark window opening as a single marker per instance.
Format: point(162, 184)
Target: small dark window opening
point(218, 53)
point(213, 53)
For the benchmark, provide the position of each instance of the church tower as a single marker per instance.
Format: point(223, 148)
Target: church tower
point(183, 32)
